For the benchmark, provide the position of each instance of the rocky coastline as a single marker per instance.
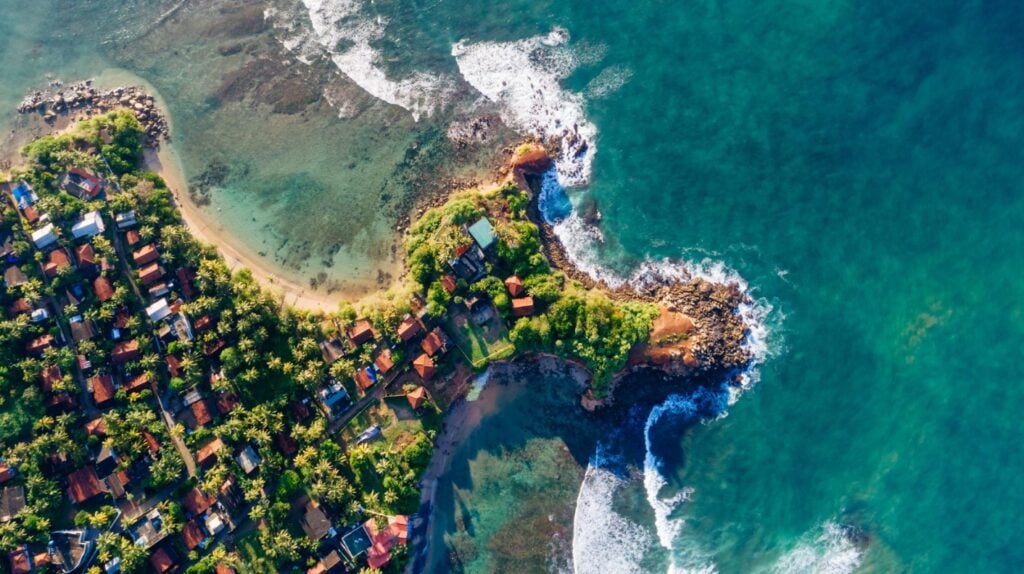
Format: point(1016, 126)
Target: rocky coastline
point(700, 333)
point(83, 100)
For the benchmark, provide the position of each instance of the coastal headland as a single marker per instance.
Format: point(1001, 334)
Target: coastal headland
point(260, 422)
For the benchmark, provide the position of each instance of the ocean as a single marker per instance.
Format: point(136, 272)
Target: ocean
point(858, 165)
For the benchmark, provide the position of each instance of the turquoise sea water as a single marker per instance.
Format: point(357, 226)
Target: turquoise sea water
point(859, 164)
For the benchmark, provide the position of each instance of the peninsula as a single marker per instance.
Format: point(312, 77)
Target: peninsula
point(159, 412)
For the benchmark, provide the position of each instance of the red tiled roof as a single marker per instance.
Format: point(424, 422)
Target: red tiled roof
point(424, 366)
point(432, 343)
point(151, 442)
point(39, 344)
point(173, 365)
point(86, 255)
point(31, 215)
point(222, 569)
point(417, 397)
point(146, 254)
point(361, 332)
point(6, 472)
point(287, 444)
point(192, 534)
point(201, 411)
point(21, 305)
point(202, 324)
point(384, 362)
point(399, 527)
point(125, 351)
point(362, 378)
point(104, 290)
point(448, 282)
point(150, 273)
point(226, 402)
point(57, 260)
point(213, 347)
point(514, 286)
point(137, 383)
point(133, 237)
point(83, 484)
point(161, 561)
point(208, 453)
point(522, 307)
point(408, 329)
point(50, 376)
point(196, 503)
point(102, 389)
point(185, 277)
point(96, 427)
point(19, 561)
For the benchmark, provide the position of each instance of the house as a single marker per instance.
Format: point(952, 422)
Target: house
point(40, 344)
point(185, 278)
point(334, 398)
point(226, 402)
point(522, 307)
point(23, 195)
point(286, 444)
point(408, 328)
point(103, 289)
point(125, 351)
point(201, 413)
point(384, 540)
point(214, 525)
point(40, 315)
point(82, 182)
point(20, 561)
point(330, 564)
point(82, 329)
point(230, 496)
point(44, 237)
point(365, 378)
point(148, 530)
point(57, 259)
point(106, 462)
point(417, 397)
point(19, 307)
point(424, 366)
point(435, 341)
point(151, 274)
point(145, 255)
point(361, 332)
point(137, 383)
point(14, 277)
point(84, 485)
point(163, 560)
point(50, 376)
point(133, 238)
point(384, 362)
point(158, 311)
point(7, 472)
point(31, 215)
point(196, 502)
point(468, 263)
point(102, 389)
point(173, 365)
point(448, 282)
point(96, 427)
point(207, 455)
point(248, 460)
point(315, 523)
point(12, 500)
point(482, 233)
point(159, 290)
point(193, 534)
point(72, 550)
point(203, 324)
point(125, 219)
point(86, 257)
point(356, 541)
point(90, 224)
point(152, 443)
point(514, 286)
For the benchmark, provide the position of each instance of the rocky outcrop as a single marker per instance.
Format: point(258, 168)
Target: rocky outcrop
point(83, 100)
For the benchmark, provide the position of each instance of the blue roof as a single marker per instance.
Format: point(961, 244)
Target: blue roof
point(22, 195)
point(482, 232)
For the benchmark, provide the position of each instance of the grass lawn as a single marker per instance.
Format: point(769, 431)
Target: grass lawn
point(479, 343)
point(253, 557)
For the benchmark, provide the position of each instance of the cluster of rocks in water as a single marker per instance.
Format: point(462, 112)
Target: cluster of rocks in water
point(83, 100)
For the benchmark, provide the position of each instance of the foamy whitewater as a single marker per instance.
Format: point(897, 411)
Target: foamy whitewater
point(344, 32)
point(827, 551)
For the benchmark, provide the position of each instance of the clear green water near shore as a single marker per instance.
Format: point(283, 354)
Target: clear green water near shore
point(859, 164)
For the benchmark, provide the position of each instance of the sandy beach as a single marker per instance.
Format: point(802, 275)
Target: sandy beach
point(165, 162)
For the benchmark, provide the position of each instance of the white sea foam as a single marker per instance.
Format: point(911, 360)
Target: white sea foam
point(828, 550)
point(524, 79)
point(344, 32)
point(603, 540)
point(608, 81)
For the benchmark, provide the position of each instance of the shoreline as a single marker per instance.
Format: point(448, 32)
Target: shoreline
point(165, 162)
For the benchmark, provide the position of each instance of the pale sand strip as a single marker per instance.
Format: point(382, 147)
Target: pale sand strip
point(202, 228)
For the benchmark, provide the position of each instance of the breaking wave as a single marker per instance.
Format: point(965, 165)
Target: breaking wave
point(826, 551)
point(524, 79)
point(343, 32)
